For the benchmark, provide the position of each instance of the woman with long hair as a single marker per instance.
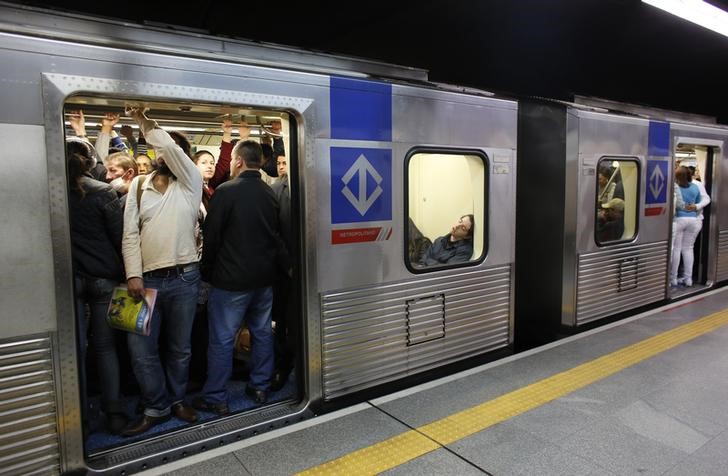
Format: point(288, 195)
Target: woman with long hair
point(96, 228)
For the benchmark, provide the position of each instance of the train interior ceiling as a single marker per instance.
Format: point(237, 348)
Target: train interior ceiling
point(201, 124)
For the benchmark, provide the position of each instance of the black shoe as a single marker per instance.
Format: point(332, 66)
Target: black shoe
point(184, 412)
point(143, 424)
point(116, 422)
point(259, 396)
point(202, 405)
point(280, 378)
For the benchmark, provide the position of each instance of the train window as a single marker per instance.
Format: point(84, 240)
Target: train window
point(445, 208)
point(617, 200)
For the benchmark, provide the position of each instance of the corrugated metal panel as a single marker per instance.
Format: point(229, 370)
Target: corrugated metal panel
point(619, 279)
point(722, 272)
point(425, 319)
point(365, 331)
point(28, 431)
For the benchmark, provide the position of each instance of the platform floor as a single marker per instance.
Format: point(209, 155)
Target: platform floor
point(645, 395)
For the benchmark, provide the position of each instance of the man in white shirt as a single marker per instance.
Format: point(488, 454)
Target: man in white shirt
point(160, 252)
point(704, 197)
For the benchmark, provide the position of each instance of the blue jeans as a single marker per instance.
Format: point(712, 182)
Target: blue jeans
point(226, 312)
point(96, 293)
point(161, 386)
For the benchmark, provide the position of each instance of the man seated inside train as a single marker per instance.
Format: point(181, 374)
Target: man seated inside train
point(455, 247)
point(610, 220)
point(610, 184)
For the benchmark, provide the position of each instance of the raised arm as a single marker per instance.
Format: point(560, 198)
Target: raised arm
point(78, 123)
point(167, 149)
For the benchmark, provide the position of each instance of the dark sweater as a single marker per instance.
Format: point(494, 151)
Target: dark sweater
point(444, 251)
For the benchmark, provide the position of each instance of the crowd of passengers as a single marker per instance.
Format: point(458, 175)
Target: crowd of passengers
point(212, 237)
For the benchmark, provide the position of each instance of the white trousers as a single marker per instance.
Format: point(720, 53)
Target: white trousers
point(684, 232)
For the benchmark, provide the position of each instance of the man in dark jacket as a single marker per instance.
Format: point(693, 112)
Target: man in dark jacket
point(242, 249)
point(455, 247)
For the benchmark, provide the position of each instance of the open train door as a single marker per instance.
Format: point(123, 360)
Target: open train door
point(701, 152)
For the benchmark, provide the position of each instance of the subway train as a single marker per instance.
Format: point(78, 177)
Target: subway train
point(382, 163)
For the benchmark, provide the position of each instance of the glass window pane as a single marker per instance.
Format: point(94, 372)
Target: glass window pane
point(617, 200)
point(446, 209)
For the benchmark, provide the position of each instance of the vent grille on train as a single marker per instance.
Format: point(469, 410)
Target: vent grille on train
point(722, 272)
point(619, 279)
point(28, 432)
point(385, 332)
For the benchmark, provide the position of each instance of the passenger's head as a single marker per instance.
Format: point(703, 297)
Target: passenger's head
point(181, 140)
point(463, 228)
point(694, 173)
point(282, 165)
point(145, 164)
point(246, 154)
point(79, 157)
point(120, 170)
point(682, 176)
point(603, 175)
point(205, 162)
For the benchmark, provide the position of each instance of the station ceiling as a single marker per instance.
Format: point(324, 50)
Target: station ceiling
point(621, 50)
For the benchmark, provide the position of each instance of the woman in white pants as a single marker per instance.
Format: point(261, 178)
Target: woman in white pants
point(685, 228)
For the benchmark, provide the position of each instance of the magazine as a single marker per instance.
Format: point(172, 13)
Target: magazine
point(129, 314)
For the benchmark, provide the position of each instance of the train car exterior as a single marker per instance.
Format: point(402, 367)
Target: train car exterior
point(379, 158)
point(598, 165)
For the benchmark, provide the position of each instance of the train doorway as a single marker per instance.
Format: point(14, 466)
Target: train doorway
point(211, 130)
point(698, 158)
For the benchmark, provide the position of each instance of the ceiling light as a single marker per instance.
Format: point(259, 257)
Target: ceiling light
point(696, 11)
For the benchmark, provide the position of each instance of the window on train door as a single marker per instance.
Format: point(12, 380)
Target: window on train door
point(617, 200)
point(446, 208)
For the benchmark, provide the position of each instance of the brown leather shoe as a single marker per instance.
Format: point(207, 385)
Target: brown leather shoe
point(184, 412)
point(143, 424)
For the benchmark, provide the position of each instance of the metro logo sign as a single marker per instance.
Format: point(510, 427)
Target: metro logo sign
point(361, 184)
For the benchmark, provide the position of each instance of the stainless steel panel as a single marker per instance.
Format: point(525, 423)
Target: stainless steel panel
point(26, 282)
point(117, 34)
point(722, 265)
point(587, 294)
point(619, 279)
point(365, 330)
point(28, 431)
point(445, 118)
point(425, 319)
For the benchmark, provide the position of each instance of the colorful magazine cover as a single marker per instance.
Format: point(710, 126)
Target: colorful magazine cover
point(128, 314)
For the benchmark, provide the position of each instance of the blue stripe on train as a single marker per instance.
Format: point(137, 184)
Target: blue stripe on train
point(360, 109)
point(658, 140)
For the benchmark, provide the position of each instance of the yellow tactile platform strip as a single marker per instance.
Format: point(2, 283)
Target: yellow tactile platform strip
point(414, 443)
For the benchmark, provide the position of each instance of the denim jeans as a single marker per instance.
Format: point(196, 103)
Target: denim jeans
point(174, 312)
point(96, 293)
point(226, 312)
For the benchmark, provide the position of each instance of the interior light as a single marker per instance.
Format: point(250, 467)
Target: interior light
point(615, 164)
point(696, 11)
